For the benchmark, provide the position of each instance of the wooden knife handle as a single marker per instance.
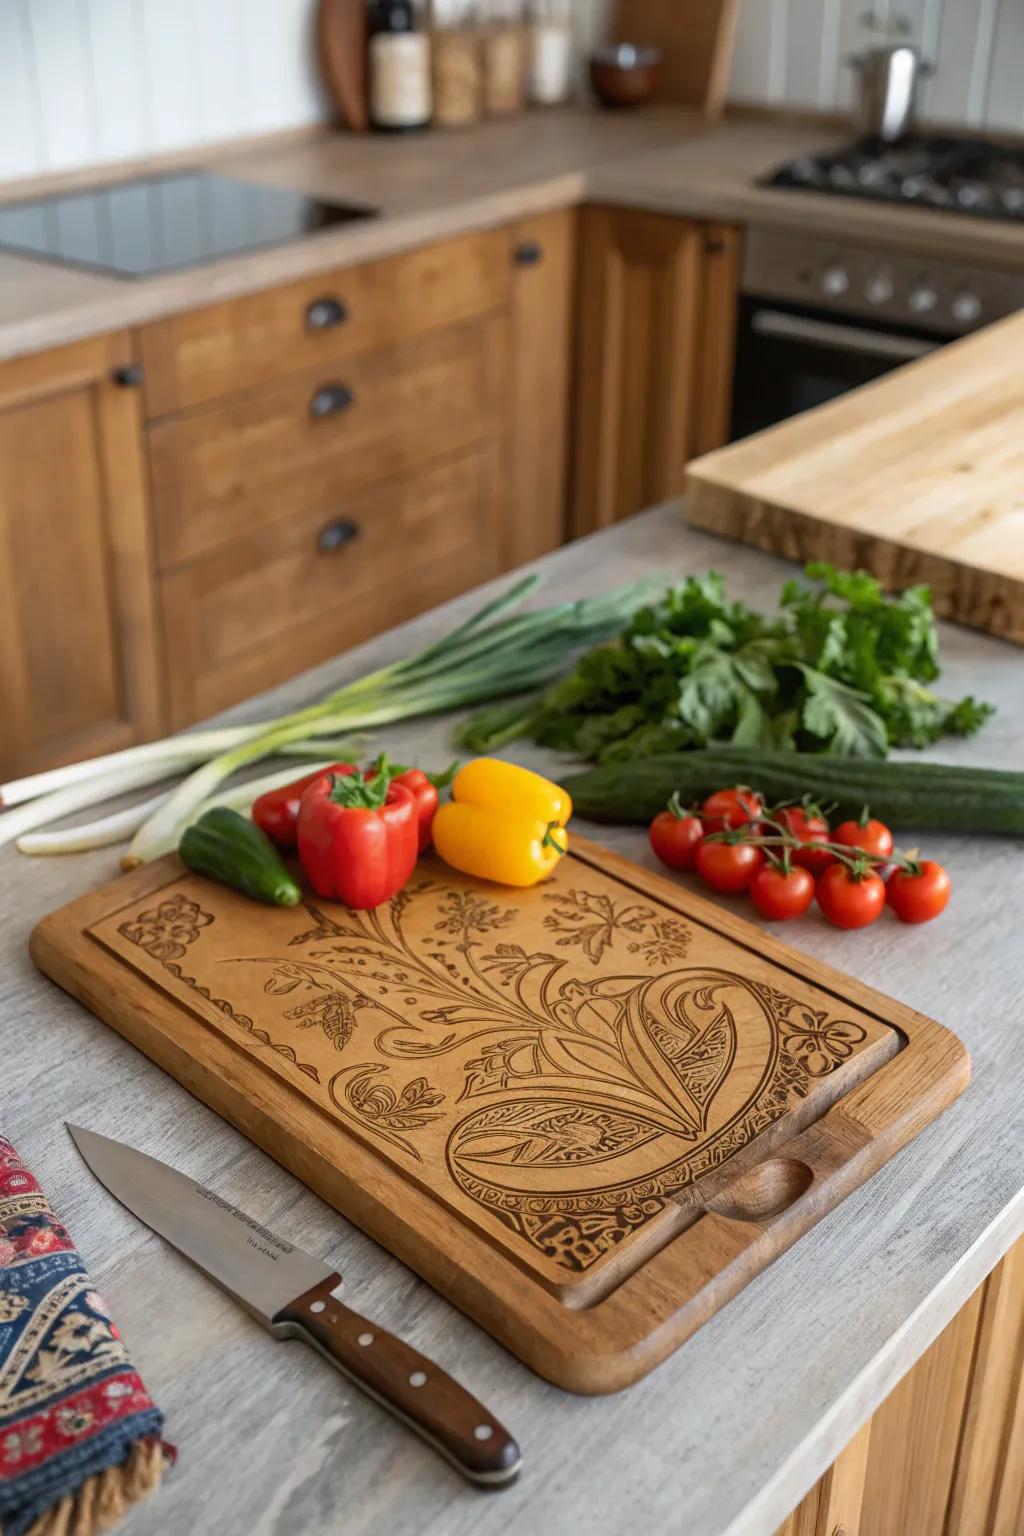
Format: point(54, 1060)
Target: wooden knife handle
point(406, 1382)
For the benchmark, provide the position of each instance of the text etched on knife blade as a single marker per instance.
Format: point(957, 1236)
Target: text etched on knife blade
point(277, 1246)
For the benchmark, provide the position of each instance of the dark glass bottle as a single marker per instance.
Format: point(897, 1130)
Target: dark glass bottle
point(399, 69)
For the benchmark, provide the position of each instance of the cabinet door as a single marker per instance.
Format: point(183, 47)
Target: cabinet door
point(541, 334)
point(716, 356)
point(655, 336)
point(78, 672)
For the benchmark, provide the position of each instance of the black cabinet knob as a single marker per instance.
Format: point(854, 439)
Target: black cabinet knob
point(529, 253)
point(323, 314)
point(130, 377)
point(336, 535)
point(329, 400)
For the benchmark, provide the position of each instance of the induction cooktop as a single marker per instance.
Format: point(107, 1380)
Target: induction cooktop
point(134, 229)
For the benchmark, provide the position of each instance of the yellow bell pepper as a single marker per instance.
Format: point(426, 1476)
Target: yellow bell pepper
point(503, 823)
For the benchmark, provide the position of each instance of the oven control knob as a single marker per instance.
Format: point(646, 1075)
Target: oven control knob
point(922, 299)
point(966, 307)
point(834, 281)
point(879, 287)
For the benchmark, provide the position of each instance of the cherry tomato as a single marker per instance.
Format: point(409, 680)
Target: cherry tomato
point(779, 895)
point(871, 837)
point(728, 866)
point(728, 808)
point(812, 830)
point(675, 839)
point(850, 900)
point(917, 895)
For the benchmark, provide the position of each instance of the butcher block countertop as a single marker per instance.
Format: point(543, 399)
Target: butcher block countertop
point(919, 475)
point(726, 1436)
point(442, 184)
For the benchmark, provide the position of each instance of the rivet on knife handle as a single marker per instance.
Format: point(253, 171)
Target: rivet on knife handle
point(413, 1387)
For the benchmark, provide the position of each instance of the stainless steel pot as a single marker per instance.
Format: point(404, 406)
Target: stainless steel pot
point(887, 87)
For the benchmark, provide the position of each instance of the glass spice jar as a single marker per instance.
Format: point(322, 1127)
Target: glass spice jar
point(503, 58)
point(550, 52)
point(456, 63)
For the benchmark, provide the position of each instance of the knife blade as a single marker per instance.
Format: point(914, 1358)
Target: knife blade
point(291, 1293)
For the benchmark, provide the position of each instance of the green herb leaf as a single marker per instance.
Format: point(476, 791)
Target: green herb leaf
point(841, 717)
point(841, 668)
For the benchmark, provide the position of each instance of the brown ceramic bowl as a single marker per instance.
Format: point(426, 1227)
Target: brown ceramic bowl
point(624, 74)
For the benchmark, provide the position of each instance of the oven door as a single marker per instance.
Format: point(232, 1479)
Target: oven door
point(789, 359)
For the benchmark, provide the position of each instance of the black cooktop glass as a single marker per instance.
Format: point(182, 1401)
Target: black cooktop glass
point(952, 175)
point(137, 228)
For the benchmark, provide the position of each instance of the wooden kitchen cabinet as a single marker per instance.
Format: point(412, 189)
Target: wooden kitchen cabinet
point(78, 660)
point(944, 1454)
point(301, 468)
point(321, 321)
point(540, 384)
point(657, 301)
point(267, 454)
point(284, 597)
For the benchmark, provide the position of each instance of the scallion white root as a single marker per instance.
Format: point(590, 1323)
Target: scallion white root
point(115, 828)
point(63, 802)
point(120, 825)
point(176, 753)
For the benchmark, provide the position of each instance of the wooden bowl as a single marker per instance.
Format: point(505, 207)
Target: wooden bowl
point(624, 74)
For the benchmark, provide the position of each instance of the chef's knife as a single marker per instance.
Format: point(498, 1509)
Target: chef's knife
point(292, 1294)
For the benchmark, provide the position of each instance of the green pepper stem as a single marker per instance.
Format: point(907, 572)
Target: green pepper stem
point(548, 841)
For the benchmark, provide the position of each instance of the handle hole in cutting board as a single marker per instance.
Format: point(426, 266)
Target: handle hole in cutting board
point(765, 1191)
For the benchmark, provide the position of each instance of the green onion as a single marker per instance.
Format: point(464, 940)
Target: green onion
point(494, 653)
point(484, 657)
point(119, 825)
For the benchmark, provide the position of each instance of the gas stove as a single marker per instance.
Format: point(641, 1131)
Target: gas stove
point(971, 176)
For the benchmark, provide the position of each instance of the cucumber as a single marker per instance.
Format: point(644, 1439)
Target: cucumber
point(934, 796)
point(228, 848)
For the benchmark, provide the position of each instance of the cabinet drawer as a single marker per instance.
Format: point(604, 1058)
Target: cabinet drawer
point(297, 591)
point(232, 346)
point(223, 471)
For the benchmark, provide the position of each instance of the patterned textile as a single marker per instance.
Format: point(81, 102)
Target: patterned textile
point(79, 1437)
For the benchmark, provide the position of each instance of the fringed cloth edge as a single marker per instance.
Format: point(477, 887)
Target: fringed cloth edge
point(106, 1497)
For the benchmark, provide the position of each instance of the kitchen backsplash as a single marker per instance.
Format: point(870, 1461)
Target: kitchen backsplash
point(791, 53)
point(85, 82)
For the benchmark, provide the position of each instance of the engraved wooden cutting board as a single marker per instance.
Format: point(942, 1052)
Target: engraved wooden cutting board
point(587, 1112)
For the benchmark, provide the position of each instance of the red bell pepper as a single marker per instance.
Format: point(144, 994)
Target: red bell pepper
point(358, 838)
point(277, 812)
point(424, 792)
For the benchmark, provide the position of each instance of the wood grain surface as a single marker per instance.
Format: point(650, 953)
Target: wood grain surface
point(341, 51)
point(78, 644)
point(641, 286)
point(227, 470)
point(222, 349)
point(230, 619)
point(588, 1112)
point(916, 477)
point(696, 40)
point(724, 1438)
point(540, 391)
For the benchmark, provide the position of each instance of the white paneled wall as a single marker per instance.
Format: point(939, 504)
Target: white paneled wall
point(86, 82)
point(791, 52)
